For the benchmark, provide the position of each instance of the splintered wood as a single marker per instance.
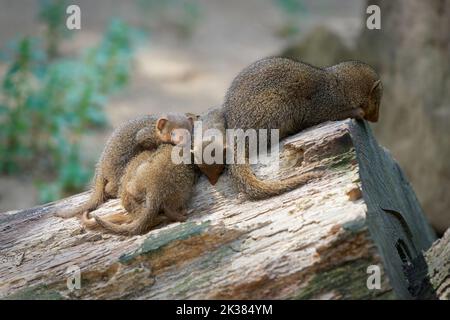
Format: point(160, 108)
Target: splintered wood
point(312, 242)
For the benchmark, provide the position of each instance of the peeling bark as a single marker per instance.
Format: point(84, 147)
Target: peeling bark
point(313, 242)
point(438, 262)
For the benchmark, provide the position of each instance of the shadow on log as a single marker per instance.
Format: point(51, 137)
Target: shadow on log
point(317, 241)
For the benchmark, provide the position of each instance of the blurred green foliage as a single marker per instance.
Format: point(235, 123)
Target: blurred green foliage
point(294, 10)
point(47, 105)
point(52, 14)
point(292, 6)
point(183, 15)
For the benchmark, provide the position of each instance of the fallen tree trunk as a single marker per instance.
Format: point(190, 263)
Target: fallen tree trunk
point(327, 239)
point(438, 267)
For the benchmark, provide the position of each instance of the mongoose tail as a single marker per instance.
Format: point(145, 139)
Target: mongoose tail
point(91, 223)
point(96, 198)
point(128, 140)
point(144, 221)
point(256, 189)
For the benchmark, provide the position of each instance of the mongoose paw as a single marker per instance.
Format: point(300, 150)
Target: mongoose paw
point(181, 217)
point(358, 113)
point(176, 216)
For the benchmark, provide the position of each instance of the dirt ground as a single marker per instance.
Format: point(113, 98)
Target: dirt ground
point(173, 73)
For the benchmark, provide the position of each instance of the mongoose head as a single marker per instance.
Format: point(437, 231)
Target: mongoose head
point(362, 87)
point(213, 170)
point(372, 109)
point(175, 128)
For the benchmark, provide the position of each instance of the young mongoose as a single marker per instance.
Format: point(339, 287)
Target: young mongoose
point(280, 93)
point(129, 139)
point(153, 183)
point(127, 202)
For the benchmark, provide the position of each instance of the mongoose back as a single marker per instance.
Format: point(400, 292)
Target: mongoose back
point(280, 93)
point(153, 183)
point(129, 139)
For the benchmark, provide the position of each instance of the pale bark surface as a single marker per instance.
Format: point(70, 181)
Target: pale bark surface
point(411, 52)
point(438, 261)
point(314, 242)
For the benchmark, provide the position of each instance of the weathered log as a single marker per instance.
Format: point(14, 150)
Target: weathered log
point(317, 241)
point(438, 267)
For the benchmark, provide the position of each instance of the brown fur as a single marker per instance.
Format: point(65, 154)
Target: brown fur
point(119, 218)
point(116, 218)
point(152, 184)
point(212, 119)
point(129, 139)
point(279, 93)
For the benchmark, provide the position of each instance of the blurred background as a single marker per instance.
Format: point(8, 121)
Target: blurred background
point(63, 91)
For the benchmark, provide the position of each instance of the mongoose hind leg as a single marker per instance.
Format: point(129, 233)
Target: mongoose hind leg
point(158, 220)
point(176, 214)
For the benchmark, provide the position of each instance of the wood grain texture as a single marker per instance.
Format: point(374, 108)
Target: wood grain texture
point(394, 215)
point(438, 262)
point(313, 242)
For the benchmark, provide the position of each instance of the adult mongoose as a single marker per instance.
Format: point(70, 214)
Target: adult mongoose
point(280, 93)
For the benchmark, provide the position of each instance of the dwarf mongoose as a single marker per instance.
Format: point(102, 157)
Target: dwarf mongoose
point(153, 183)
point(280, 93)
point(129, 139)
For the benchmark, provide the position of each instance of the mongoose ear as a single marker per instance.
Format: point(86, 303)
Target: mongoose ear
point(161, 123)
point(192, 117)
point(371, 113)
point(376, 86)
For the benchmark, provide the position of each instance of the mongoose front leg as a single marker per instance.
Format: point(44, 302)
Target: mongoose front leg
point(111, 189)
point(357, 113)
